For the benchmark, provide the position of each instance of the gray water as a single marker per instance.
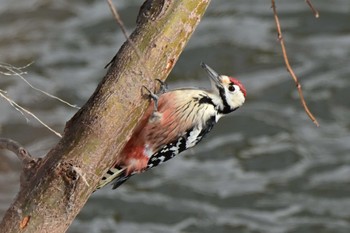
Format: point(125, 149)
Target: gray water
point(264, 168)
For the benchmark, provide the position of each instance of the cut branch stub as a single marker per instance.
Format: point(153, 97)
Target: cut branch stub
point(29, 164)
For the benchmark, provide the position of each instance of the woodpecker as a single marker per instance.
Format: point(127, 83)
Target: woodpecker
point(177, 121)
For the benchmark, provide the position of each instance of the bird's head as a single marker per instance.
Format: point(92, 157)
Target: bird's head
point(230, 92)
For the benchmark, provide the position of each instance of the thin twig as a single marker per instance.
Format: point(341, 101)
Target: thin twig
point(118, 18)
point(289, 68)
point(122, 27)
point(313, 9)
point(17, 71)
point(21, 110)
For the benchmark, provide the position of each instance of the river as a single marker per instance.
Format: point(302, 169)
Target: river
point(266, 168)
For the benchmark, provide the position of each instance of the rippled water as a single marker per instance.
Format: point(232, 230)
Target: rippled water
point(265, 168)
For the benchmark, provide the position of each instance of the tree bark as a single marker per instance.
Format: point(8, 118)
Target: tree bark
point(65, 178)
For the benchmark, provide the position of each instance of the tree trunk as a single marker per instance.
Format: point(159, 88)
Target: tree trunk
point(53, 195)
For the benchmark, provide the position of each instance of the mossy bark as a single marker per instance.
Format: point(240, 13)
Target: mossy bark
point(94, 137)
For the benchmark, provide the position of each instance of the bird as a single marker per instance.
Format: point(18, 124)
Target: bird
point(178, 120)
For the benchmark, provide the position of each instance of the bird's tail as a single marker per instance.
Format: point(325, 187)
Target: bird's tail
point(115, 174)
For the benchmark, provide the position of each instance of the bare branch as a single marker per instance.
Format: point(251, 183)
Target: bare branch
point(289, 68)
point(18, 71)
point(317, 15)
point(11, 70)
point(22, 110)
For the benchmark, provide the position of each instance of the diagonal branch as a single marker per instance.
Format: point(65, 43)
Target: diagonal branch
point(94, 137)
point(288, 66)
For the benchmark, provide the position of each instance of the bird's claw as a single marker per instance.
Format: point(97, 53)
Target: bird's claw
point(154, 97)
point(163, 86)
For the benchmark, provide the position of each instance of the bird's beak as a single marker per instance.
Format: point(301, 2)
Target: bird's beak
point(215, 77)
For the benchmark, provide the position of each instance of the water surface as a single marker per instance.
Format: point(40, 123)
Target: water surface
point(264, 168)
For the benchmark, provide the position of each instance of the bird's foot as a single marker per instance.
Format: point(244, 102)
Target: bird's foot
point(154, 97)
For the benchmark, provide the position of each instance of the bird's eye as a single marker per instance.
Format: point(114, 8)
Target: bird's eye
point(231, 88)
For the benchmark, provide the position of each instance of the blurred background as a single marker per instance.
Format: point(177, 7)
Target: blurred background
point(265, 168)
